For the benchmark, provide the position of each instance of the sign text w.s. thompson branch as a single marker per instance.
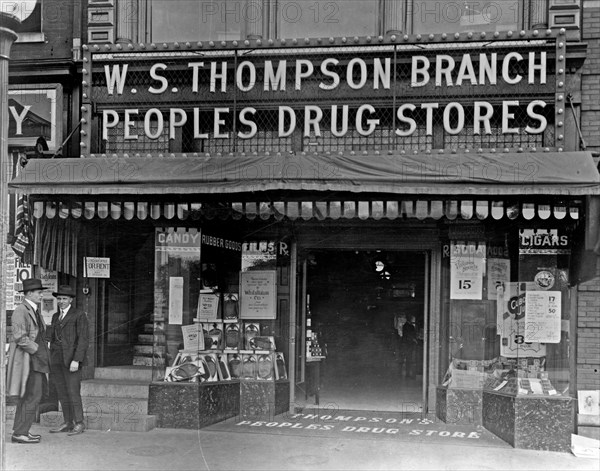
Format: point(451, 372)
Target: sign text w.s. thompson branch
point(155, 99)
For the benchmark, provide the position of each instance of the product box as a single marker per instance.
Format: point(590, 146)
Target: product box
point(249, 366)
point(234, 362)
point(233, 336)
point(230, 306)
point(265, 367)
point(223, 367)
point(187, 356)
point(251, 330)
point(213, 335)
point(193, 337)
point(187, 367)
point(279, 364)
point(260, 342)
point(467, 379)
point(208, 307)
point(212, 366)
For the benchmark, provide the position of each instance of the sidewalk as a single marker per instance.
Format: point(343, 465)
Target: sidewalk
point(168, 449)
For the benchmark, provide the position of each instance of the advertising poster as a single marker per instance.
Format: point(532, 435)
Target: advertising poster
point(16, 272)
point(588, 402)
point(193, 337)
point(208, 307)
point(176, 274)
point(543, 253)
point(512, 322)
point(10, 277)
point(176, 300)
point(467, 264)
point(498, 274)
point(96, 267)
point(258, 294)
point(49, 305)
point(500, 308)
point(259, 255)
point(542, 316)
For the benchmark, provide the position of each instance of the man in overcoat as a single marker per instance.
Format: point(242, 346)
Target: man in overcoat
point(68, 352)
point(28, 360)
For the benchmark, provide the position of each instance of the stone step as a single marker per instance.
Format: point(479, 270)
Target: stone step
point(127, 372)
point(149, 339)
point(589, 432)
point(151, 328)
point(158, 350)
point(105, 422)
point(140, 360)
point(10, 412)
point(118, 406)
point(115, 388)
point(118, 338)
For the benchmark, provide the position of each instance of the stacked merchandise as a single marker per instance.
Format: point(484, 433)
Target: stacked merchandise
point(315, 350)
point(227, 349)
point(512, 376)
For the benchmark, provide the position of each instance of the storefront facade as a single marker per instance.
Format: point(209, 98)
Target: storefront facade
point(216, 176)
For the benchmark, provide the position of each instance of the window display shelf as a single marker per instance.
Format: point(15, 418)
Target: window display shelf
point(510, 376)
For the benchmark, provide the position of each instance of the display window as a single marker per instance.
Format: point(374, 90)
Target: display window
point(508, 311)
point(216, 308)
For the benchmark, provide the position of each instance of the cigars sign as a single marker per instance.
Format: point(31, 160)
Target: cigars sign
point(278, 95)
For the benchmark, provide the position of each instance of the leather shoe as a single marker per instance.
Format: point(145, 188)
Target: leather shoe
point(34, 436)
point(24, 439)
point(62, 428)
point(79, 428)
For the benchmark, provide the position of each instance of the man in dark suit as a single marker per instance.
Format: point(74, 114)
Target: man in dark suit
point(409, 338)
point(68, 348)
point(28, 360)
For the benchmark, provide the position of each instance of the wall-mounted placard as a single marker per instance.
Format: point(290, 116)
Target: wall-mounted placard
point(258, 294)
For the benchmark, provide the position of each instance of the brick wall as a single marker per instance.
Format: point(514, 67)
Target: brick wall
point(57, 26)
point(590, 80)
point(588, 334)
point(588, 320)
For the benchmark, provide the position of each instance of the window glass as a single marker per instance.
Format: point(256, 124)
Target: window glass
point(506, 311)
point(193, 20)
point(176, 286)
point(325, 18)
point(437, 16)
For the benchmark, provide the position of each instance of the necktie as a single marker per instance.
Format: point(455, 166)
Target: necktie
point(62, 314)
point(39, 319)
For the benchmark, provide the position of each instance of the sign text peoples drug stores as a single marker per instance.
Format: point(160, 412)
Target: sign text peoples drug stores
point(151, 100)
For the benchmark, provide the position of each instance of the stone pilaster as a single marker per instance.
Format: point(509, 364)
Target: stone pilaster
point(393, 16)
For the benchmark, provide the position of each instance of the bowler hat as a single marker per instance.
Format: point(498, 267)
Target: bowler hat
point(64, 290)
point(32, 284)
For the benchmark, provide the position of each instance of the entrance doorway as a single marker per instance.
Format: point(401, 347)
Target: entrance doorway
point(126, 299)
point(358, 302)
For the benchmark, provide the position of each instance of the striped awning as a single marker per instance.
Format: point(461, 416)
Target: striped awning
point(461, 176)
point(306, 210)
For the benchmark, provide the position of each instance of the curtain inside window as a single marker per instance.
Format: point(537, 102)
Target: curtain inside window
point(55, 245)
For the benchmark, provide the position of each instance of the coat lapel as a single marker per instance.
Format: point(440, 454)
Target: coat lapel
point(31, 312)
point(70, 313)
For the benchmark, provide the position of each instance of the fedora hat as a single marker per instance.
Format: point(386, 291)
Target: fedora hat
point(64, 290)
point(31, 284)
